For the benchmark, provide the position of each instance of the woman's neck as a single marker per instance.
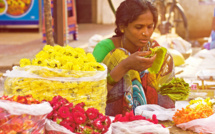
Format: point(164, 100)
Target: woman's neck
point(129, 46)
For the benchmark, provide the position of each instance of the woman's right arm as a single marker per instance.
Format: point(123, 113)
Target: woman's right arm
point(135, 61)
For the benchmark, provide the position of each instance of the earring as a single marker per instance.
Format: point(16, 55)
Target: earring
point(122, 31)
point(143, 33)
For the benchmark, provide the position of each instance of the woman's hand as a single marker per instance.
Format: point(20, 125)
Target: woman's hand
point(138, 62)
point(135, 61)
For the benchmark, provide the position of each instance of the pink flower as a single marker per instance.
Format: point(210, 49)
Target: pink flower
point(154, 118)
point(73, 125)
point(67, 125)
point(82, 104)
point(137, 117)
point(98, 124)
point(118, 117)
point(92, 113)
point(64, 112)
point(55, 99)
point(79, 117)
point(69, 118)
point(78, 109)
point(69, 105)
point(49, 116)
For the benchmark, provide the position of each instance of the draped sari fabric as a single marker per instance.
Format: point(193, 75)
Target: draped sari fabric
point(136, 88)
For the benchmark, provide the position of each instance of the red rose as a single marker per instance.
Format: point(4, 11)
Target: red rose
point(49, 116)
point(117, 117)
point(154, 118)
point(82, 104)
point(92, 113)
point(69, 105)
point(67, 125)
point(79, 117)
point(64, 112)
point(78, 109)
point(69, 118)
point(98, 124)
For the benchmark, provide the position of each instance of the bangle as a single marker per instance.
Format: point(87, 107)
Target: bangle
point(110, 80)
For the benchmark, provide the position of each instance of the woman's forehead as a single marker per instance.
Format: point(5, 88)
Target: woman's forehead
point(144, 18)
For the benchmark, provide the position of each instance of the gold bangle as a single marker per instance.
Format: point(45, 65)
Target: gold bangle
point(110, 80)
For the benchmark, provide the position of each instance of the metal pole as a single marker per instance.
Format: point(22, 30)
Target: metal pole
point(66, 23)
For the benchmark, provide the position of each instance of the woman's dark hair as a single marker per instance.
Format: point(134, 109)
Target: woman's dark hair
point(129, 10)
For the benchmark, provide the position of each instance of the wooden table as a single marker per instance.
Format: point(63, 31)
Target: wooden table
point(175, 130)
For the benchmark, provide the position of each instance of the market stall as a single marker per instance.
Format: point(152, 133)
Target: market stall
point(70, 97)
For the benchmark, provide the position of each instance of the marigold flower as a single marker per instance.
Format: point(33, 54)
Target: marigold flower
point(24, 62)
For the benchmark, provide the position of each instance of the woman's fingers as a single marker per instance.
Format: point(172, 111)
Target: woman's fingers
point(144, 53)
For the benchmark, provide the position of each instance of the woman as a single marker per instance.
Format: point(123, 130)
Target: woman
point(129, 82)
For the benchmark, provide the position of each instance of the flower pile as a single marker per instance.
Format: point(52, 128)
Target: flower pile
point(198, 108)
point(20, 123)
point(76, 119)
point(65, 71)
point(27, 99)
point(129, 116)
point(67, 58)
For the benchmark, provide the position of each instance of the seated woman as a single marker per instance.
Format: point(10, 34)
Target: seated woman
point(129, 82)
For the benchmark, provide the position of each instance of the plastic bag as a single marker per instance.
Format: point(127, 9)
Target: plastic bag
point(150, 109)
point(16, 117)
point(138, 127)
point(204, 125)
point(177, 43)
point(44, 83)
point(54, 128)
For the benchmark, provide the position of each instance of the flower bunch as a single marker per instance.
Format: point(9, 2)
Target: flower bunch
point(197, 101)
point(129, 116)
point(195, 110)
point(76, 119)
point(65, 71)
point(67, 58)
point(21, 122)
point(92, 93)
point(27, 99)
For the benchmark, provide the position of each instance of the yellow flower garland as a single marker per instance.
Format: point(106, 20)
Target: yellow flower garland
point(65, 62)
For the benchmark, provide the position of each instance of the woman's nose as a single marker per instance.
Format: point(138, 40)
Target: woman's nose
point(145, 31)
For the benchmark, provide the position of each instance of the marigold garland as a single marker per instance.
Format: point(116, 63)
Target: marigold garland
point(61, 62)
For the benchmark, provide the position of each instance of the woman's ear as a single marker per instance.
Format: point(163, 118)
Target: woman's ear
point(121, 27)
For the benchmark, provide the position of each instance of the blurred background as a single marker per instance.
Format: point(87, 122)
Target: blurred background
point(184, 25)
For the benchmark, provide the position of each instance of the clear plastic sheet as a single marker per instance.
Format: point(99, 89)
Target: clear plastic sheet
point(150, 109)
point(138, 127)
point(54, 128)
point(204, 125)
point(22, 118)
point(44, 83)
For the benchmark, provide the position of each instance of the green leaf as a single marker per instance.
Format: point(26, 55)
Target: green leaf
point(158, 62)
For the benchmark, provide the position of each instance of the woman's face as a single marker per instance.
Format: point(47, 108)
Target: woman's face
point(138, 32)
